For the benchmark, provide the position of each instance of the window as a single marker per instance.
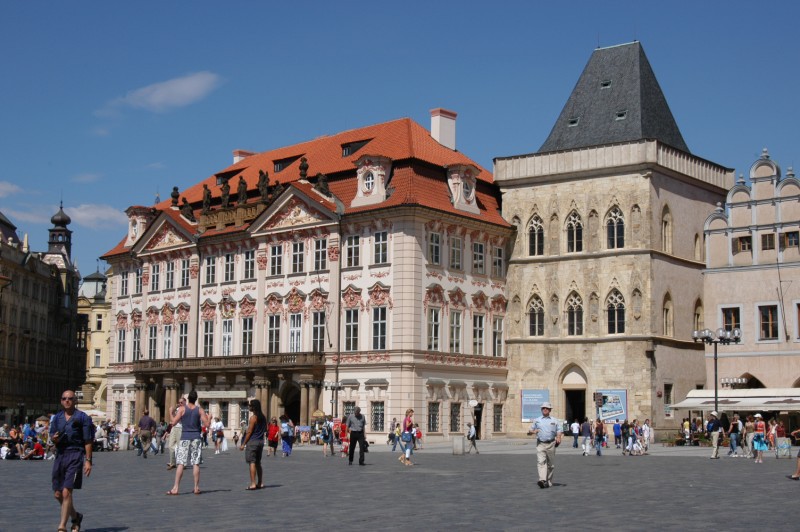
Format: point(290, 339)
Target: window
point(244, 415)
point(227, 337)
point(536, 317)
point(667, 317)
point(152, 342)
point(498, 262)
point(666, 230)
point(379, 328)
point(381, 247)
point(183, 340)
point(229, 271)
point(791, 239)
point(137, 343)
point(348, 407)
point(615, 305)
point(123, 284)
point(169, 280)
point(743, 243)
point(298, 254)
point(536, 237)
point(118, 412)
point(318, 332)
point(249, 264)
point(247, 336)
point(574, 315)
point(97, 358)
point(224, 408)
point(433, 417)
point(574, 233)
point(276, 260)
point(731, 319)
point(121, 345)
point(295, 333)
point(167, 352)
point(376, 418)
point(667, 394)
point(497, 418)
point(769, 322)
point(184, 273)
point(456, 247)
point(351, 330)
point(768, 241)
point(211, 270)
point(320, 254)
point(137, 284)
point(478, 257)
point(352, 249)
point(455, 417)
point(455, 331)
point(497, 337)
point(208, 338)
point(433, 328)
point(98, 322)
point(155, 278)
point(274, 334)
point(435, 248)
point(477, 334)
point(615, 229)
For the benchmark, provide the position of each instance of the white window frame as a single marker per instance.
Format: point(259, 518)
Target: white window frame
point(136, 347)
point(497, 336)
point(478, 258)
point(456, 325)
point(227, 337)
point(498, 262)
point(434, 329)
point(249, 269)
point(298, 256)
point(318, 331)
point(353, 251)
point(208, 338)
point(274, 333)
point(155, 277)
point(211, 270)
point(152, 342)
point(185, 273)
point(435, 249)
point(123, 284)
point(379, 327)
point(137, 285)
point(456, 253)
point(478, 333)
point(121, 334)
point(229, 269)
point(169, 275)
point(320, 254)
point(183, 340)
point(295, 333)
point(167, 342)
point(351, 329)
point(276, 259)
point(381, 247)
point(247, 336)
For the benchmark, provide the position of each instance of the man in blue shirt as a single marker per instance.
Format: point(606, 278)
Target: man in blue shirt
point(72, 432)
point(617, 433)
point(548, 433)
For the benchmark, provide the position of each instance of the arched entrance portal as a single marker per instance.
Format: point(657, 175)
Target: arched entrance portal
point(291, 403)
point(574, 385)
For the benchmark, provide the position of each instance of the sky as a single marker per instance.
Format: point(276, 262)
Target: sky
point(103, 105)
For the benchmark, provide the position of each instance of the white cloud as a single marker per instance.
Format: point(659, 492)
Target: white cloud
point(166, 95)
point(86, 178)
point(6, 189)
point(96, 216)
point(156, 166)
point(37, 214)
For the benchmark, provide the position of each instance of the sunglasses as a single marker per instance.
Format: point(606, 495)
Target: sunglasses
point(68, 398)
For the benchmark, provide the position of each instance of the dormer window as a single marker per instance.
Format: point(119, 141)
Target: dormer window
point(369, 181)
point(280, 164)
point(373, 174)
point(351, 147)
point(462, 180)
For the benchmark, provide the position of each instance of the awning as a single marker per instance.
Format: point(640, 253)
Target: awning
point(749, 399)
point(376, 382)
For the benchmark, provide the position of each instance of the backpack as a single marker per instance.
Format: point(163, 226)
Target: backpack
point(326, 432)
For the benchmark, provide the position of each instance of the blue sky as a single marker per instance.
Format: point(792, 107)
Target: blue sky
point(107, 103)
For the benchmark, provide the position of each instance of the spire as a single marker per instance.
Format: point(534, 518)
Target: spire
point(617, 99)
point(60, 237)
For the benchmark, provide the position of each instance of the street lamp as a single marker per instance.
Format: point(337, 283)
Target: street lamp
point(724, 337)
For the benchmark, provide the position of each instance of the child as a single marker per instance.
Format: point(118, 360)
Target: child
point(417, 437)
point(235, 439)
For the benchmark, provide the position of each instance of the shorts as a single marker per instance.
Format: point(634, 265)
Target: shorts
point(189, 452)
point(68, 470)
point(273, 443)
point(253, 451)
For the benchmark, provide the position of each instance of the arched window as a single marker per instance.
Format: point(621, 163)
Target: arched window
point(574, 315)
point(535, 237)
point(615, 229)
point(667, 316)
point(574, 233)
point(615, 304)
point(666, 230)
point(536, 317)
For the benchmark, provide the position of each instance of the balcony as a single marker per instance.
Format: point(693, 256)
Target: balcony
point(263, 361)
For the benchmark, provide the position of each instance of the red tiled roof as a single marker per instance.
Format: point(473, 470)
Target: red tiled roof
point(415, 181)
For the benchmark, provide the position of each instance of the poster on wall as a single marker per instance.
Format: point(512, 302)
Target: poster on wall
point(532, 403)
point(615, 405)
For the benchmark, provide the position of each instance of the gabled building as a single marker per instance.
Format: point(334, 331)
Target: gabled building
point(604, 281)
point(42, 340)
point(365, 268)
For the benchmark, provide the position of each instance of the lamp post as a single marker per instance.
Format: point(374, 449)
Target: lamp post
point(724, 337)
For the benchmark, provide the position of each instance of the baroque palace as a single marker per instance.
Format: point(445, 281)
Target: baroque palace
point(365, 268)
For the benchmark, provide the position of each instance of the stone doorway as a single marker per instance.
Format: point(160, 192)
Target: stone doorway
point(574, 385)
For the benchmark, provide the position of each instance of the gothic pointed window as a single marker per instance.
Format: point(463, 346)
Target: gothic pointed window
point(574, 315)
point(536, 317)
point(615, 306)
point(574, 233)
point(535, 237)
point(615, 229)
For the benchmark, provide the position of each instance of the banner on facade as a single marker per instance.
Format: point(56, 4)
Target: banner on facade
point(532, 403)
point(615, 405)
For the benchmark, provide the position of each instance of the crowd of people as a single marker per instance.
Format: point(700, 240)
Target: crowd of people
point(633, 437)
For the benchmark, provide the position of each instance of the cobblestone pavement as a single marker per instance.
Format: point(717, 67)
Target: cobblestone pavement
point(671, 489)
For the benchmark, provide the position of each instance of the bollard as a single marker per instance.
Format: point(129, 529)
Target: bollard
point(458, 445)
point(124, 440)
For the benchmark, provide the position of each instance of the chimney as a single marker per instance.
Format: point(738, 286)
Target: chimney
point(238, 155)
point(443, 127)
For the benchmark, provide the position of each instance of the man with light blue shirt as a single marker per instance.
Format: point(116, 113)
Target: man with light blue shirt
point(548, 433)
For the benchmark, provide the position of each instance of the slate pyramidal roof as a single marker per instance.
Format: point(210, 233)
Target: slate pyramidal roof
point(617, 99)
point(418, 175)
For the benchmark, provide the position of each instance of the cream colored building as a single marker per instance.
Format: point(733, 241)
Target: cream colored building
point(95, 307)
point(363, 269)
point(752, 281)
point(604, 281)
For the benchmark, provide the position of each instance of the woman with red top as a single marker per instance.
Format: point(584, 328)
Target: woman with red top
point(273, 437)
point(406, 437)
point(760, 439)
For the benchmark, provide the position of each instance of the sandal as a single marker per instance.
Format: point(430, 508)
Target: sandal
point(253, 488)
point(170, 492)
point(197, 491)
point(76, 522)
